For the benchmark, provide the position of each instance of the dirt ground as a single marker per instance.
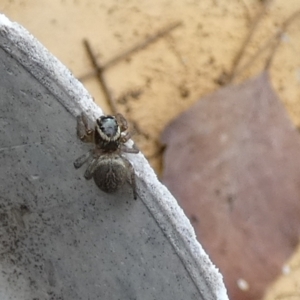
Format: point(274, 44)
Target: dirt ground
point(157, 83)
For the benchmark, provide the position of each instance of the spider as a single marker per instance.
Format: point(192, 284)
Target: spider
point(109, 168)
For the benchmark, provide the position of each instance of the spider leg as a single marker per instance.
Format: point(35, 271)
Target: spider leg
point(132, 177)
point(126, 149)
point(85, 120)
point(88, 174)
point(126, 136)
point(82, 159)
point(84, 132)
point(122, 122)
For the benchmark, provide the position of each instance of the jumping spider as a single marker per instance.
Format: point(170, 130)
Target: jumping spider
point(109, 168)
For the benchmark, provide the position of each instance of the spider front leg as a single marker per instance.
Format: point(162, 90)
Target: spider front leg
point(84, 132)
point(122, 122)
point(133, 150)
point(126, 137)
point(82, 159)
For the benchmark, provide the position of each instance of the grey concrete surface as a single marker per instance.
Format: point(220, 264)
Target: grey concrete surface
point(60, 236)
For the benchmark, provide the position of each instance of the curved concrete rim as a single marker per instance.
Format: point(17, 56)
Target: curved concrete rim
point(49, 71)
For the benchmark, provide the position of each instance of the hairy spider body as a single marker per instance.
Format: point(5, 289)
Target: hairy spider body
point(110, 173)
point(109, 169)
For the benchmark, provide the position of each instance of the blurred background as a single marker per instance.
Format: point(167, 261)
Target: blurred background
point(153, 86)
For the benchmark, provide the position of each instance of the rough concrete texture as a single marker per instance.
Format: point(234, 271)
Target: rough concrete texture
point(177, 70)
point(61, 237)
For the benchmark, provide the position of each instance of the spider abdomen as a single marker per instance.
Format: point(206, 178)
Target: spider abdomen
point(111, 173)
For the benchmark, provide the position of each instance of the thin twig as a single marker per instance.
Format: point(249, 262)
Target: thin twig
point(142, 45)
point(134, 49)
point(273, 42)
point(284, 26)
point(99, 71)
point(255, 56)
point(247, 40)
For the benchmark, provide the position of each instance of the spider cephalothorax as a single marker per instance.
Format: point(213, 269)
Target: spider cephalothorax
point(109, 168)
point(108, 132)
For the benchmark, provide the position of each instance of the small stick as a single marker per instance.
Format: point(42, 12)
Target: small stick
point(99, 71)
point(274, 41)
point(142, 45)
point(247, 40)
point(254, 57)
point(134, 49)
point(284, 26)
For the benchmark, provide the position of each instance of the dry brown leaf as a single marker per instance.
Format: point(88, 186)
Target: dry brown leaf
point(233, 163)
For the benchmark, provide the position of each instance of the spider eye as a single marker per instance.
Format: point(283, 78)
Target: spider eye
point(108, 125)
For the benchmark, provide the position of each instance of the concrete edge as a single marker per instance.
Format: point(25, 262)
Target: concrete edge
point(48, 70)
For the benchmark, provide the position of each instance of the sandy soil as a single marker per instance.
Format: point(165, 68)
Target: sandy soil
point(175, 71)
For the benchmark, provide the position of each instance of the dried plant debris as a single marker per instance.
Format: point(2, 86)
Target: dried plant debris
point(133, 94)
point(233, 163)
